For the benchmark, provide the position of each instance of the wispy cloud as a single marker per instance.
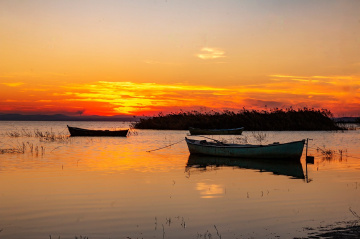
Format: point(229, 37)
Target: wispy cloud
point(311, 78)
point(210, 53)
point(154, 62)
point(288, 76)
point(31, 74)
point(13, 84)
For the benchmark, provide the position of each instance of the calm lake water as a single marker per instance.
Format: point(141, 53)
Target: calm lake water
point(114, 188)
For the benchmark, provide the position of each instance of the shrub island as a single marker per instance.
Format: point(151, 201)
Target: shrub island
point(303, 119)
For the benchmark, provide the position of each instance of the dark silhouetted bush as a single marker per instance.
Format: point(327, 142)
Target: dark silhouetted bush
point(252, 120)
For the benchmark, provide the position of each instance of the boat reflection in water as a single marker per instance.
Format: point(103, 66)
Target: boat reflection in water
point(292, 169)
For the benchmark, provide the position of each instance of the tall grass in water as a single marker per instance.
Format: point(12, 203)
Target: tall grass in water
point(42, 135)
point(22, 133)
point(30, 147)
point(23, 147)
point(252, 120)
point(13, 134)
point(330, 155)
point(50, 136)
point(20, 148)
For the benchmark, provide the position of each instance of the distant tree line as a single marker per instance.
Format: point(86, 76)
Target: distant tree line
point(253, 120)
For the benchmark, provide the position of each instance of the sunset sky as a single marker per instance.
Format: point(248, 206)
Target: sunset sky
point(116, 57)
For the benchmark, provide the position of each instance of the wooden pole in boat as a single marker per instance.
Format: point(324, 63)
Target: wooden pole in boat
point(308, 159)
point(307, 143)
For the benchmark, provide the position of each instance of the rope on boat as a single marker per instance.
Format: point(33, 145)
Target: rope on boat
point(164, 146)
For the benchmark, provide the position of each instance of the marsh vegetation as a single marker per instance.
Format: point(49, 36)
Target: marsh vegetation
point(273, 119)
point(28, 145)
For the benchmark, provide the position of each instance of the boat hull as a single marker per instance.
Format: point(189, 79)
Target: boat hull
point(74, 131)
point(196, 131)
point(292, 150)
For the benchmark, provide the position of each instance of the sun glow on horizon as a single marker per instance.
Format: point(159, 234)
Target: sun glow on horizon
point(130, 98)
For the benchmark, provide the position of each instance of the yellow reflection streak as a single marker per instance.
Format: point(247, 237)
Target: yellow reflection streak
point(210, 190)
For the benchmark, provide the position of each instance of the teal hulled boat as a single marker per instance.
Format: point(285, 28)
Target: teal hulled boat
point(291, 150)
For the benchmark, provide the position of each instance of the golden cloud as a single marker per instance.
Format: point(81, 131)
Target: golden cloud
point(210, 53)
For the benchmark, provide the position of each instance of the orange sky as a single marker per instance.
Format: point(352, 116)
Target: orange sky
point(144, 57)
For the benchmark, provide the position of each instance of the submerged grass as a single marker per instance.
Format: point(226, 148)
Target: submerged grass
point(252, 120)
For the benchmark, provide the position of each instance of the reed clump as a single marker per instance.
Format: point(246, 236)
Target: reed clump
point(42, 135)
point(330, 154)
point(253, 120)
point(50, 136)
point(19, 149)
point(21, 133)
point(23, 147)
point(9, 151)
point(13, 134)
point(29, 147)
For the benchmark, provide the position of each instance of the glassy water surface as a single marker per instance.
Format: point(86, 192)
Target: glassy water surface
point(113, 188)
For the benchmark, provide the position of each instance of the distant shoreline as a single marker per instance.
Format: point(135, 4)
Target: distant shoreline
point(61, 117)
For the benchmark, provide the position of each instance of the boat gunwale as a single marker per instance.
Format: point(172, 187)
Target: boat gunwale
point(231, 129)
point(242, 146)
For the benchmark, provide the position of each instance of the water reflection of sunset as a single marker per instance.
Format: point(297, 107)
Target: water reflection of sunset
point(122, 158)
point(106, 187)
point(210, 190)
